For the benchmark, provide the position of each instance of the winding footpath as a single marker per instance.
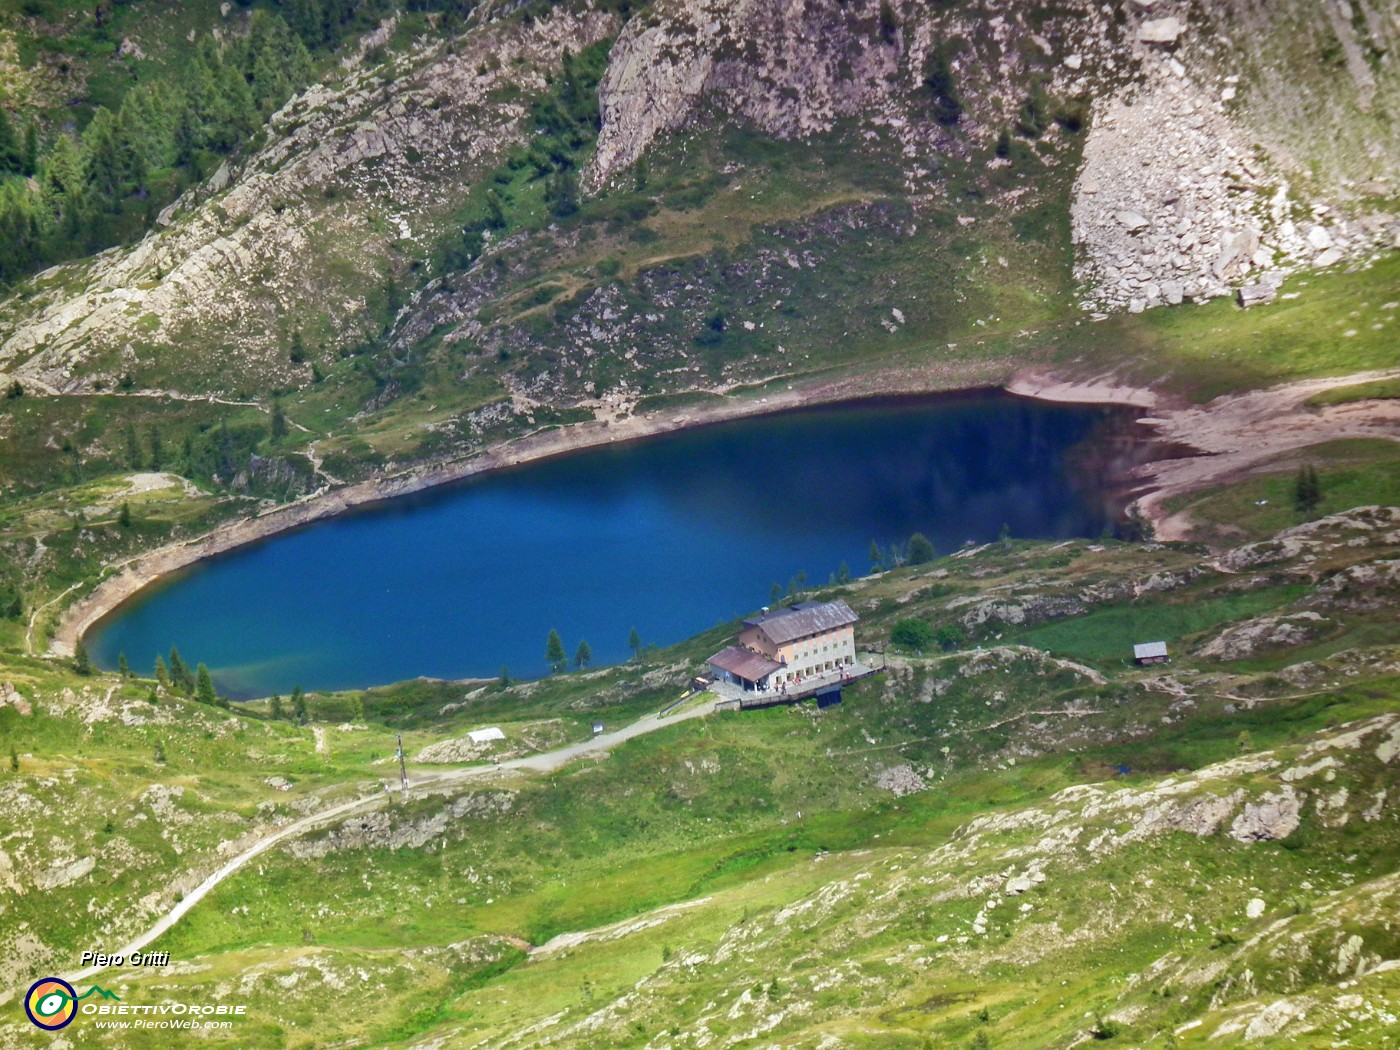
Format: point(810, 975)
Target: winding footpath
point(545, 762)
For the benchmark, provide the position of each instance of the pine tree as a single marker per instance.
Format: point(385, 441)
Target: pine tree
point(133, 448)
point(157, 447)
point(920, 550)
point(81, 663)
point(162, 675)
point(279, 421)
point(30, 156)
point(11, 155)
point(1307, 489)
point(299, 705)
point(274, 708)
point(204, 689)
point(877, 557)
point(124, 515)
point(102, 165)
point(634, 642)
point(63, 188)
point(123, 668)
point(583, 655)
point(938, 81)
point(152, 697)
point(179, 673)
point(504, 678)
point(554, 653)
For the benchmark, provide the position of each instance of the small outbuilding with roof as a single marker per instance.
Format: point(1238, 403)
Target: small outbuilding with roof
point(1150, 653)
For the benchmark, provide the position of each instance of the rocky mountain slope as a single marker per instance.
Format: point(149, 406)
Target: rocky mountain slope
point(1194, 177)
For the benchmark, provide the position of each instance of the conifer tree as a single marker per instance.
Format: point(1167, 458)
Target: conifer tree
point(123, 668)
point(162, 675)
point(554, 653)
point(11, 154)
point(583, 655)
point(920, 550)
point(30, 153)
point(81, 663)
point(102, 166)
point(877, 557)
point(204, 687)
point(180, 674)
point(634, 642)
point(1307, 489)
point(63, 189)
point(274, 708)
point(299, 705)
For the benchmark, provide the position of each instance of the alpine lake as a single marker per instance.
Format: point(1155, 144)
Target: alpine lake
point(668, 535)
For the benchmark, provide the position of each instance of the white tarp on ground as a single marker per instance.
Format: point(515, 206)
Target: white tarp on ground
point(482, 736)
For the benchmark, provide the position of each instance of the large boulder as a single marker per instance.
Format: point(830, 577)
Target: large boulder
point(1273, 817)
point(1161, 31)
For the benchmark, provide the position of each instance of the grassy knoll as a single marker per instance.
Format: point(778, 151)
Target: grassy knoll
point(1352, 474)
point(1339, 322)
point(1381, 389)
point(1107, 636)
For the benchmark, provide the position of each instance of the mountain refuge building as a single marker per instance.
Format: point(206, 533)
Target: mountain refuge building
point(786, 647)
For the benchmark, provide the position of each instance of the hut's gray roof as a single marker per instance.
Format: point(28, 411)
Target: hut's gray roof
point(803, 620)
point(1147, 650)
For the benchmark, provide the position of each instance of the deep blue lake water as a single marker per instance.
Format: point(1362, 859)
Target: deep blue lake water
point(669, 535)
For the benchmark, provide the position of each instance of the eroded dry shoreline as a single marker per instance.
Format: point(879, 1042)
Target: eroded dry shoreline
point(1233, 434)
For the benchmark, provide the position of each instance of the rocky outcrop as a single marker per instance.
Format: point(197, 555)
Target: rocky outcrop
point(1265, 633)
point(788, 69)
point(328, 193)
point(387, 830)
point(11, 697)
point(900, 781)
point(1273, 817)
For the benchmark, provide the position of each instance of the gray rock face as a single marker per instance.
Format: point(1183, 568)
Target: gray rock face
point(1273, 817)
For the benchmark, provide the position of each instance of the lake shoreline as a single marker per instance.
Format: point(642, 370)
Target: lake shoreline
point(1206, 429)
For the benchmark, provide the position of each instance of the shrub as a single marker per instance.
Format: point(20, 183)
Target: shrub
point(912, 634)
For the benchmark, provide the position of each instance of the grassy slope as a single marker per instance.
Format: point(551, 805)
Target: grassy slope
point(729, 812)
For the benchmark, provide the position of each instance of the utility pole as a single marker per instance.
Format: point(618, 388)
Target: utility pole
point(403, 771)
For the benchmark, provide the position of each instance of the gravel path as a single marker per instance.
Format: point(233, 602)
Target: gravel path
point(545, 762)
